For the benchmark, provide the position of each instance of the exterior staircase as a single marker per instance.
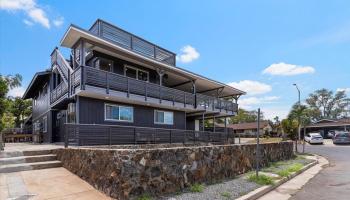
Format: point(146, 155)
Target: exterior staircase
point(27, 160)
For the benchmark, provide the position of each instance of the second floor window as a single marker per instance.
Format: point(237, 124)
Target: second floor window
point(104, 64)
point(136, 73)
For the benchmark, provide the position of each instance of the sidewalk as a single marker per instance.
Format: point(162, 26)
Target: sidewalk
point(54, 183)
point(286, 190)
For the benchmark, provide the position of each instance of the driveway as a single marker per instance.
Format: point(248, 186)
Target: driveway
point(53, 184)
point(334, 181)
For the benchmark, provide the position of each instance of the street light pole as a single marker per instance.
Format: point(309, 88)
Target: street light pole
point(298, 110)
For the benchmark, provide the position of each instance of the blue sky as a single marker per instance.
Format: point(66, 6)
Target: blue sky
point(262, 47)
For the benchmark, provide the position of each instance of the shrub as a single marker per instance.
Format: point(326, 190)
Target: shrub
point(144, 197)
point(296, 167)
point(226, 195)
point(261, 179)
point(283, 173)
point(197, 187)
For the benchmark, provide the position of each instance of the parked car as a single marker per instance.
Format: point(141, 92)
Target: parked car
point(341, 138)
point(314, 138)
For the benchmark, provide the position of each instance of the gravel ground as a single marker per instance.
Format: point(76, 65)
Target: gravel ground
point(225, 190)
point(235, 188)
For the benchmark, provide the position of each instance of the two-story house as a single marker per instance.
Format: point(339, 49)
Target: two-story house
point(119, 88)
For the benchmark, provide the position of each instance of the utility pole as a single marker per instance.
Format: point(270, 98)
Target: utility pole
point(257, 145)
point(298, 115)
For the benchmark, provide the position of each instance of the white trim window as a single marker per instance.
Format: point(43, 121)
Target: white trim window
point(44, 124)
point(136, 73)
point(119, 113)
point(163, 117)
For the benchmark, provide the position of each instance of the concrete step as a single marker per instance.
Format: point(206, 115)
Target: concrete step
point(24, 153)
point(27, 159)
point(29, 166)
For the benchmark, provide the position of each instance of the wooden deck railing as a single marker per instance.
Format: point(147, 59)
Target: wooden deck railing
point(100, 134)
point(58, 92)
point(85, 75)
point(132, 42)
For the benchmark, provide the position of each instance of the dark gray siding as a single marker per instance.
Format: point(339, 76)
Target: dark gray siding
point(42, 103)
point(91, 111)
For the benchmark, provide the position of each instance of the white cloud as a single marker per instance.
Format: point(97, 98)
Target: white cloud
point(16, 92)
point(251, 87)
point(250, 102)
point(188, 54)
point(27, 22)
point(58, 22)
point(272, 112)
point(33, 11)
point(284, 69)
point(347, 90)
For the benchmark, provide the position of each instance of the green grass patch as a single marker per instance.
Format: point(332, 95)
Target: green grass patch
point(261, 179)
point(144, 197)
point(197, 187)
point(283, 173)
point(295, 167)
point(226, 194)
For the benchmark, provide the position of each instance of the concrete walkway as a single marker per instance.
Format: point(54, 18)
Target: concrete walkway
point(286, 190)
point(53, 184)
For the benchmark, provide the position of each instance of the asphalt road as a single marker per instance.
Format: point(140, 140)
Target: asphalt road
point(333, 182)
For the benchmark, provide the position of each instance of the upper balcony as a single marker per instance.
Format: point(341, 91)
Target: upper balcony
point(132, 42)
point(93, 82)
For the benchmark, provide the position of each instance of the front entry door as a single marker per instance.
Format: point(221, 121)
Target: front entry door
point(59, 126)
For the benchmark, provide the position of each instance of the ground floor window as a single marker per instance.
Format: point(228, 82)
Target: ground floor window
point(163, 117)
point(119, 113)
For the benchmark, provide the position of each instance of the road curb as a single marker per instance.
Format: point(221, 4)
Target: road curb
point(265, 189)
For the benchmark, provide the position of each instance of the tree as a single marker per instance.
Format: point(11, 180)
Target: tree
point(6, 83)
point(245, 116)
point(290, 127)
point(323, 104)
point(20, 109)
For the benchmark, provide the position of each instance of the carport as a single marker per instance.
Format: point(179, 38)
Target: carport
point(325, 125)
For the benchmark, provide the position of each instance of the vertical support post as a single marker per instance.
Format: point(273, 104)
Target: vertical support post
point(107, 83)
point(184, 99)
point(214, 124)
point(203, 122)
point(135, 136)
point(110, 136)
point(304, 140)
point(69, 83)
point(239, 138)
point(127, 86)
point(170, 133)
point(194, 93)
point(185, 120)
point(82, 78)
point(257, 145)
point(161, 74)
point(66, 135)
point(146, 92)
point(82, 53)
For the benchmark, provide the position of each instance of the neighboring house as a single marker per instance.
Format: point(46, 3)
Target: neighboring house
point(324, 125)
point(116, 78)
point(250, 128)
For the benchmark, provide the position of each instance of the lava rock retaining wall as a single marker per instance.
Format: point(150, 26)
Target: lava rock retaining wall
point(124, 174)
